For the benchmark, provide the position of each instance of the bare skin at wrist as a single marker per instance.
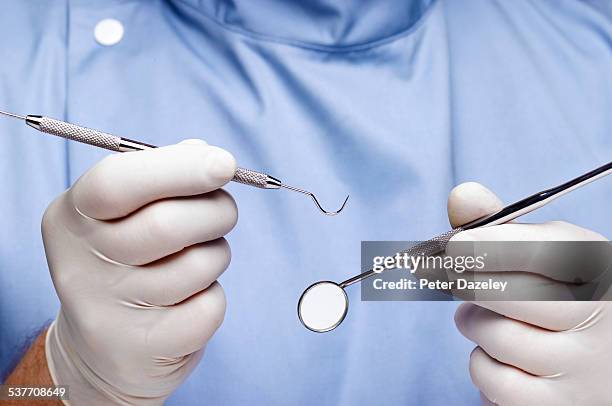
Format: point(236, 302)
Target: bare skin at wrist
point(32, 370)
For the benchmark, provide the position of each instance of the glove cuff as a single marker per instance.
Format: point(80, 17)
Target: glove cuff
point(67, 368)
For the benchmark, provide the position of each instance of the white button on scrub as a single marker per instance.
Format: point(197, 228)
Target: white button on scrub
point(108, 32)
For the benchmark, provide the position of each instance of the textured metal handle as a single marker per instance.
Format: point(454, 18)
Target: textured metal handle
point(117, 144)
point(426, 248)
point(80, 134)
point(432, 246)
point(257, 179)
point(249, 177)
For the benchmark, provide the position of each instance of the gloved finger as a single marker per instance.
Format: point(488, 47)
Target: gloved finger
point(483, 286)
point(122, 183)
point(532, 349)
point(511, 247)
point(176, 277)
point(574, 316)
point(187, 326)
point(470, 201)
point(508, 386)
point(165, 227)
point(466, 202)
point(550, 231)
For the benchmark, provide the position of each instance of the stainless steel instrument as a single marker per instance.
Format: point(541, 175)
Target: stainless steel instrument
point(118, 144)
point(324, 305)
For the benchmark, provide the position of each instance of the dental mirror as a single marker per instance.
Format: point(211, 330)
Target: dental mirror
point(322, 306)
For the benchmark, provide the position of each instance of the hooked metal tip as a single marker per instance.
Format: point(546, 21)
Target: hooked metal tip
point(328, 213)
point(314, 199)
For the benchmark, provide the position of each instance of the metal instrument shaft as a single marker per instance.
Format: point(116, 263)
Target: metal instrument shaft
point(118, 144)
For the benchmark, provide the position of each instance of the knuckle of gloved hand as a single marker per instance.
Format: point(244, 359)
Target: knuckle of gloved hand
point(48, 223)
point(58, 224)
point(98, 187)
point(216, 253)
point(559, 229)
point(226, 208)
point(564, 231)
point(218, 166)
point(578, 316)
point(215, 305)
point(464, 188)
point(60, 212)
point(474, 366)
point(461, 315)
point(159, 221)
point(224, 252)
point(504, 381)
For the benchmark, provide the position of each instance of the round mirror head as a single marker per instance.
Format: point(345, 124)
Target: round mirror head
point(322, 306)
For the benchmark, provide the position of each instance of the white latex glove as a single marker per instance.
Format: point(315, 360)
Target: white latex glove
point(134, 249)
point(533, 353)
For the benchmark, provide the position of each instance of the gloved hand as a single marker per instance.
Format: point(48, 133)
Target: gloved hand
point(134, 249)
point(533, 353)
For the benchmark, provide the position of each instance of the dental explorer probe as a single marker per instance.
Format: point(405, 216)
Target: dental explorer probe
point(118, 144)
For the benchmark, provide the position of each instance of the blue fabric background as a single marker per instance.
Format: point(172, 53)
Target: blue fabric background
point(394, 102)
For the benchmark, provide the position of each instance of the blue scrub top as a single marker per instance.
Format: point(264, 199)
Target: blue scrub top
point(392, 101)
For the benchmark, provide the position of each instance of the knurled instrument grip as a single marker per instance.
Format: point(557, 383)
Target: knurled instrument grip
point(257, 179)
point(427, 248)
point(432, 246)
point(77, 133)
point(118, 144)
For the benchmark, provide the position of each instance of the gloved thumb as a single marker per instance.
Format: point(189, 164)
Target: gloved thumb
point(470, 201)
